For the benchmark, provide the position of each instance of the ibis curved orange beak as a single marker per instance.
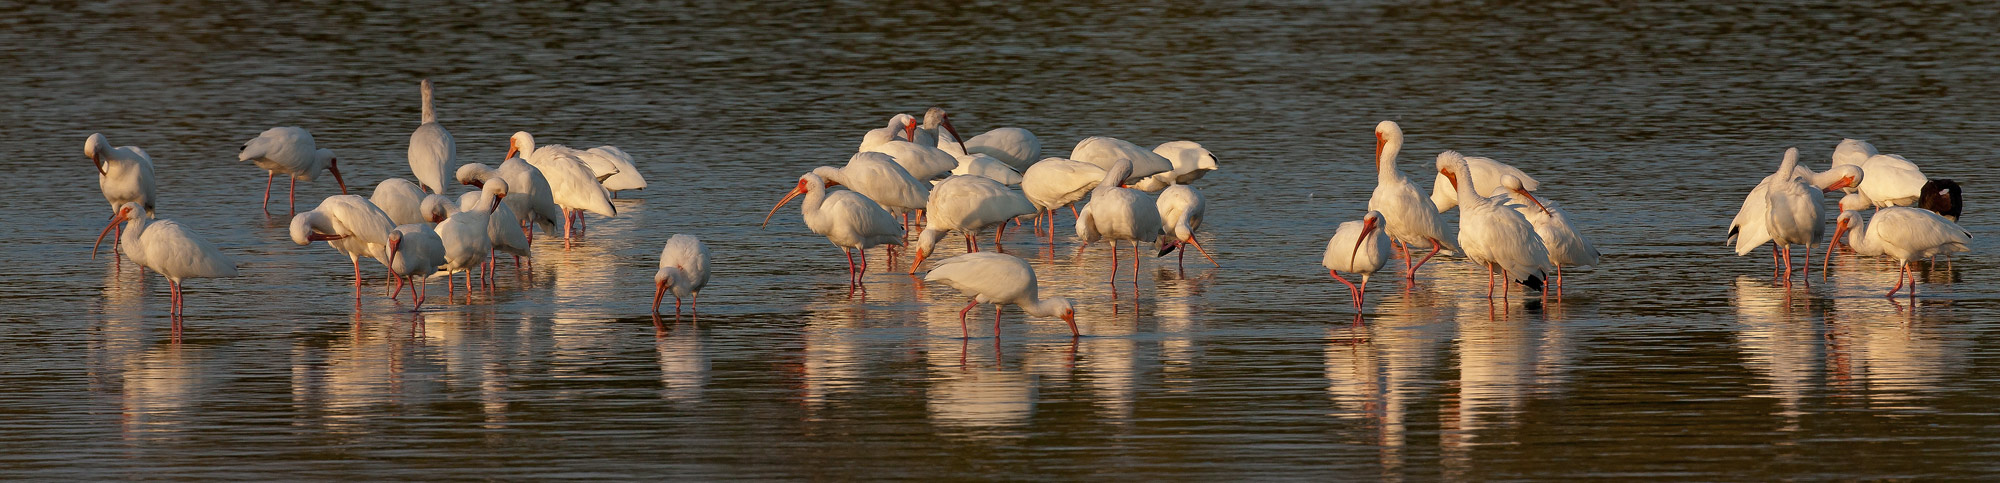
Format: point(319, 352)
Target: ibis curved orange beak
point(1070, 317)
point(98, 159)
point(333, 166)
point(781, 203)
point(1845, 181)
point(123, 214)
point(1531, 197)
point(659, 289)
point(1839, 229)
point(1378, 149)
point(954, 134)
point(921, 255)
point(1367, 228)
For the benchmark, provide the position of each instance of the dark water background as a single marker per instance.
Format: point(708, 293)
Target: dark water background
point(1674, 359)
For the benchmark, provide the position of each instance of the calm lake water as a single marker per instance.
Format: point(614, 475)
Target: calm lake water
point(1675, 359)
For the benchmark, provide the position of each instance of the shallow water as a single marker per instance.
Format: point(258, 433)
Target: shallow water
point(1674, 359)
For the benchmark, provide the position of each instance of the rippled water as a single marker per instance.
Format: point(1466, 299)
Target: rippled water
point(1647, 120)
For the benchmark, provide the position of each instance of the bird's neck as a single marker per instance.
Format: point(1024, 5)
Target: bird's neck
point(1466, 192)
point(1385, 163)
point(1041, 307)
point(430, 115)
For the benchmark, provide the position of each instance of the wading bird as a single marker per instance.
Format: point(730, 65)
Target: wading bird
point(683, 270)
point(169, 249)
point(999, 279)
point(289, 151)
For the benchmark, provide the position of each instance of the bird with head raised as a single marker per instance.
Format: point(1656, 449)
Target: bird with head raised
point(1410, 219)
point(1493, 234)
point(849, 220)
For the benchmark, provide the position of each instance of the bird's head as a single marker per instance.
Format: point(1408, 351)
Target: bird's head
point(1514, 184)
point(125, 212)
point(520, 143)
point(473, 174)
point(1386, 132)
point(1849, 176)
point(332, 166)
point(1450, 164)
point(94, 148)
point(809, 182)
point(395, 245)
point(925, 242)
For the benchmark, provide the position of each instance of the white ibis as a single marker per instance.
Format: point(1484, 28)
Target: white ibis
point(1494, 236)
point(1104, 151)
point(1797, 215)
point(433, 155)
point(1016, 147)
point(400, 199)
point(571, 184)
point(1751, 227)
point(1567, 246)
point(1486, 173)
point(849, 220)
point(528, 193)
point(1409, 218)
point(968, 204)
point(1851, 152)
point(878, 177)
point(924, 163)
point(1054, 183)
point(502, 226)
point(350, 224)
point(290, 151)
point(1190, 160)
point(999, 279)
point(899, 125)
point(1892, 181)
point(623, 174)
point(124, 173)
point(1905, 234)
point(1181, 210)
point(1119, 214)
point(683, 270)
point(467, 241)
point(1358, 247)
point(415, 253)
point(980, 164)
point(929, 135)
point(169, 249)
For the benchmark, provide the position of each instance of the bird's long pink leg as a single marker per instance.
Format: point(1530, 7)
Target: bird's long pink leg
point(850, 268)
point(1559, 282)
point(292, 196)
point(970, 245)
point(961, 318)
point(997, 233)
point(1361, 295)
point(418, 291)
point(357, 275)
point(1806, 270)
point(996, 323)
point(1788, 265)
point(1436, 246)
point(399, 287)
point(1351, 295)
point(267, 190)
point(566, 228)
point(1489, 280)
point(1899, 282)
point(1135, 264)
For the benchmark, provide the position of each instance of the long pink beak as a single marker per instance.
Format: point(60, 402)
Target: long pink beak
point(123, 214)
point(781, 204)
point(954, 135)
point(1367, 228)
point(659, 289)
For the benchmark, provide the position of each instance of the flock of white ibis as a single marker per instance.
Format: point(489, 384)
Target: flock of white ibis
point(922, 171)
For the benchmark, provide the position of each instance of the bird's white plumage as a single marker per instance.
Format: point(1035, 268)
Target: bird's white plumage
point(502, 226)
point(1892, 180)
point(362, 228)
point(1190, 160)
point(1796, 207)
point(418, 251)
point(986, 166)
point(125, 173)
point(846, 218)
point(1014, 146)
point(529, 196)
point(898, 125)
point(433, 155)
point(1115, 213)
point(571, 183)
point(683, 265)
point(466, 234)
point(625, 174)
point(1181, 210)
point(922, 162)
point(1349, 252)
point(287, 151)
point(401, 200)
point(1105, 151)
point(1906, 233)
point(1751, 226)
point(1407, 215)
point(1057, 182)
point(1567, 247)
point(968, 204)
point(1000, 279)
point(878, 177)
point(1486, 174)
point(168, 248)
point(1852, 152)
point(1492, 233)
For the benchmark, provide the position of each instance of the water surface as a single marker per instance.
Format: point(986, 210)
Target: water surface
point(1648, 121)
